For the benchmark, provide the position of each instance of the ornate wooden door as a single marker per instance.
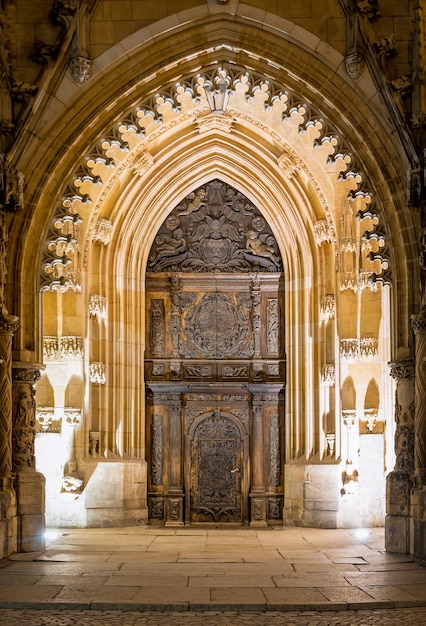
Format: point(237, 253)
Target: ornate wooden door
point(216, 470)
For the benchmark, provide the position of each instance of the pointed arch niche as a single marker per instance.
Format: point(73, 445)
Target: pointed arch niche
point(109, 310)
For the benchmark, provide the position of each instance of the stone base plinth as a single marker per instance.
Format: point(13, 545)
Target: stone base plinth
point(115, 494)
point(8, 523)
point(30, 492)
point(397, 521)
point(418, 524)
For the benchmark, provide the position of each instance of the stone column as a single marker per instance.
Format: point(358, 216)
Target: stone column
point(8, 507)
point(418, 497)
point(30, 484)
point(399, 482)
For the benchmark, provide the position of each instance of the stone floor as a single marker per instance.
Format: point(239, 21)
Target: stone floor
point(188, 576)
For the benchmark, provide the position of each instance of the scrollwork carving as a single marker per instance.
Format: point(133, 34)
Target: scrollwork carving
point(157, 450)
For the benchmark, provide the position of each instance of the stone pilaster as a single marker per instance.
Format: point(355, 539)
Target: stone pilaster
point(399, 482)
point(174, 513)
point(257, 496)
point(30, 484)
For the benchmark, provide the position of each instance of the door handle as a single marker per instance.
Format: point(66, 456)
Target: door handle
point(236, 469)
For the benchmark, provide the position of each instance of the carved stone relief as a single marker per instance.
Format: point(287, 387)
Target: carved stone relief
point(24, 426)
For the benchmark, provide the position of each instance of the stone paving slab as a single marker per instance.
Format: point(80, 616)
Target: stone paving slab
point(189, 570)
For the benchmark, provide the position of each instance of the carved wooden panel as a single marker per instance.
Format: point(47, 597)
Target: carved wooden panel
point(216, 464)
point(215, 229)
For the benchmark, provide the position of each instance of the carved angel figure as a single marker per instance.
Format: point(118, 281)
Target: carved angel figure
point(260, 248)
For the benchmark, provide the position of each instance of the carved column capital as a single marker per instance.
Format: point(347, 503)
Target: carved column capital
point(405, 369)
point(8, 323)
point(26, 372)
point(418, 321)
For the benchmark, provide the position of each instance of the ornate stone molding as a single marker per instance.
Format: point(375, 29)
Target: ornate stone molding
point(63, 348)
point(151, 118)
point(403, 369)
point(371, 416)
point(322, 232)
point(367, 281)
point(157, 449)
point(72, 417)
point(354, 64)
point(328, 375)
point(94, 443)
point(97, 373)
point(368, 347)
point(349, 418)
point(103, 231)
point(80, 69)
point(327, 308)
point(349, 349)
point(97, 307)
point(331, 443)
point(45, 417)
